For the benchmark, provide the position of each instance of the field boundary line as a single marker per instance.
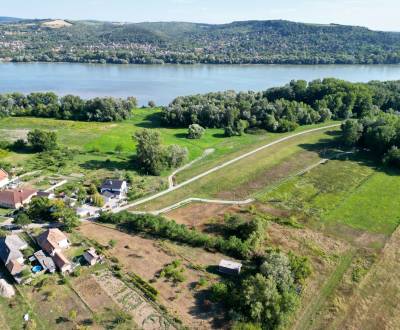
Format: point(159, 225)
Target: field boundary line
point(330, 285)
point(221, 166)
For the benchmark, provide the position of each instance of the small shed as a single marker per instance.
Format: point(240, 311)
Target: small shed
point(229, 267)
point(91, 256)
point(45, 261)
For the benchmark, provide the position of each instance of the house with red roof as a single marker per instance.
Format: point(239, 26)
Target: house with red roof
point(54, 241)
point(16, 198)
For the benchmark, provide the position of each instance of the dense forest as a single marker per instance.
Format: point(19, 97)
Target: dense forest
point(250, 42)
point(71, 107)
point(371, 111)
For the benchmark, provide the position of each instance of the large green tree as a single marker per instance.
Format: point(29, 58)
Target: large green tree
point(42, 140)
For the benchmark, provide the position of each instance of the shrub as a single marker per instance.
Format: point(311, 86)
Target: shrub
point(195, 131)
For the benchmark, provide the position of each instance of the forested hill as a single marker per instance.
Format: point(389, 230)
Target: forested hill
point(281, 42)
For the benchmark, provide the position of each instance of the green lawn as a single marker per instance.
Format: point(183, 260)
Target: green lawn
point(352, 192)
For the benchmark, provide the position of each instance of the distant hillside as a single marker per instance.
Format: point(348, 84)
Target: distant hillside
point(176, 42)
point(4, 19)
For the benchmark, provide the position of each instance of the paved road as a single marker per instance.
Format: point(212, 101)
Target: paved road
point(217, 168)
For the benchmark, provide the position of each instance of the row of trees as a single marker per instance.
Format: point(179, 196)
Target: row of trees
point(71, 107)
point(284, 108)
point(379, 133)
point(161, 227)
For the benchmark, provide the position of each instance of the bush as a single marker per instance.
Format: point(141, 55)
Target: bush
point(195, 131)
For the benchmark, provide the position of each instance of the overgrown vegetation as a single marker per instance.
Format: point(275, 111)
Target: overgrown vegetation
point(159, 226)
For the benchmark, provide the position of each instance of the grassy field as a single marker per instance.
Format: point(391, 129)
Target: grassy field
point(342, 195)
point(245, 177)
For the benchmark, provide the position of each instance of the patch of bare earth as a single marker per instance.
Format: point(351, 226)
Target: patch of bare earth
point(147, 257)
point(196, 215)
point(93, 295)
point(375, 303)
point(56, 24)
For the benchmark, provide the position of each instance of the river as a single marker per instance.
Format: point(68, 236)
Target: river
point(162, 83)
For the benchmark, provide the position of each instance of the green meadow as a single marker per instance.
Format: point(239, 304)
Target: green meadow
point(353, 193)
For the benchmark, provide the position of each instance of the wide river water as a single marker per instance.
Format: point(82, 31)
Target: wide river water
point(162, 83)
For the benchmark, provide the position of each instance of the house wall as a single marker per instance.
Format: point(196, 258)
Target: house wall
point(4, 182)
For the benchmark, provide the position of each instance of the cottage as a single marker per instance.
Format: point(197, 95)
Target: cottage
point(118, 188)
point(62, 262)
point(91, 256)
point(53, 241)
point(4, 178)
point(230, 267)
point(16, 198)
point(10, 253)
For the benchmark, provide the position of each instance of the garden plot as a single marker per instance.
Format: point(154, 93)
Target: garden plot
point(148, 257)
point(146, 316)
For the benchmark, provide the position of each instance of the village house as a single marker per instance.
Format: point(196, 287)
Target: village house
point(16, 198)
point(114, 188)
point(53, 241)
point(91, 256)
point(4, 178)
point(87, 211)
point(10, 253)
point(229, 267)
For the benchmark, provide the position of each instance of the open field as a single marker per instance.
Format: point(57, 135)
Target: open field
point(375, 303)
point(347, 198)
point(146, 258)
point(246, 176)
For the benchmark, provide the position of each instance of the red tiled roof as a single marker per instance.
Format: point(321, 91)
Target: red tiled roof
point(14, 267)
point(50, 239)
point(60, 260)
point(3, 174)
point(16, 196)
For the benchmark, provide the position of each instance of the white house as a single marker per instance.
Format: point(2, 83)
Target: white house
point(119, 188)
point(86, 211)
point(4, 178)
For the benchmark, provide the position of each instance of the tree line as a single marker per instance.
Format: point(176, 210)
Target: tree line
point(69, 107)
point(282, 109)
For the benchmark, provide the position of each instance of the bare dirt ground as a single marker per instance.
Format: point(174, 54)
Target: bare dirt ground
point(375, 304)
point(93, 295)
point(196, 215)
point(147, 257)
